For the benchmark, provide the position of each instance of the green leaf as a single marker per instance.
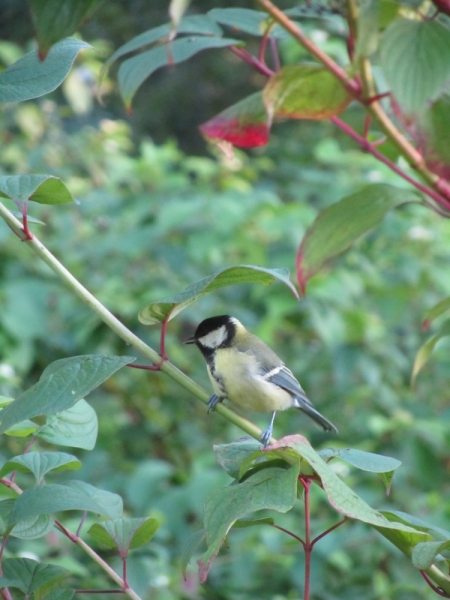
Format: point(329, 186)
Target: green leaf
point(62, 384)
point(189, 548)
point(306, 91)
point(340, 496)
point(44, 189)
point(433, 136)
point(156, 312)
point(125, 534)
point(198, 24)
point(366, 461)
point(54, 20)
point(29, 77)
point(134, 71)
point(436, 311)
point(249, 21)
point(40, 463)
point(415, 56)
point(28, 575)
point(273, 488)
point(231, 456)
point(339, 225)
point(423, 554)
point(76, 427)
point(31, 529)
point(112, 503)
point(424, 353)
point(22, 429)
point(243, 523)
point(416, 522)
point(49, 499)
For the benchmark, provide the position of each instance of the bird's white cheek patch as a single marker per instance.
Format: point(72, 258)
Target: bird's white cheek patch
point(215, 338)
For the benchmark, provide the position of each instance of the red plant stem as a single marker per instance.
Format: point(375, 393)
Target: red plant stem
point(366, 146)
point(83, 519)
point(438, 591)
point(275, 54)
point(27, 232)
point(251, 60)
point(124, 573)
point(296, 537)
point(262, 48)
point(351, 85)
point(6, 594)
point(308, 546)
point(327, 531)
point(162, 348)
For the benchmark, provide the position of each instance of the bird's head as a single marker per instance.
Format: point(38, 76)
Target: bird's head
point(216, 332)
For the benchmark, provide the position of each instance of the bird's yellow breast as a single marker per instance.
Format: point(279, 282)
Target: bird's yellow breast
point(244, 387)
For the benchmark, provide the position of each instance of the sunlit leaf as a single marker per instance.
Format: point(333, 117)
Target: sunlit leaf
point(306, 91)
point(245, 124)
point(156, 312)
point(339, 225)
point(45, 189)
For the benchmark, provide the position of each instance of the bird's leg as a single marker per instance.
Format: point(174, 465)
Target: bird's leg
point(267, 434)
point(213, 402)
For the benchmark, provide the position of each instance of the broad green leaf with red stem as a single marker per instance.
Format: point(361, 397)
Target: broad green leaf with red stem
point(134, 71)
point(40, 463)
point(272, 488)
point(339, 225)
point(245, 124)
point(307, 91)
point(415, 57)
point(54, 20)
point(157, 312)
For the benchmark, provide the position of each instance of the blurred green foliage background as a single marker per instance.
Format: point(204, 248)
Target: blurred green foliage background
point(156, 211)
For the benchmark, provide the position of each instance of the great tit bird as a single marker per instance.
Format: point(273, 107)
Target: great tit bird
point(245, 370)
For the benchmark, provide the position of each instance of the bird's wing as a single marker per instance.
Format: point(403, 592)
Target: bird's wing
point(285, 379)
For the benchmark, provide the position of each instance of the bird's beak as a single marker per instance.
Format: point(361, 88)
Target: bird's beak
point(191, 340)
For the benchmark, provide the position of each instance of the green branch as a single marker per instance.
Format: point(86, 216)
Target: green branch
point(119, 328)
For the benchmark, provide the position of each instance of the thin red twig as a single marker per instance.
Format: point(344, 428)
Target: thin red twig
point(436, 589)
point(327, 531)
point(296, 537)
point(251, 60)
point(275, 54)
point(262, 48)
point(366, 146)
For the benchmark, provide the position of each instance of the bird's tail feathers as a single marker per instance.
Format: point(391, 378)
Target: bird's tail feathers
point(314, 414)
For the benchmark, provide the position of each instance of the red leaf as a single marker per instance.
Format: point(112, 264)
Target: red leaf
point(244, 124)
